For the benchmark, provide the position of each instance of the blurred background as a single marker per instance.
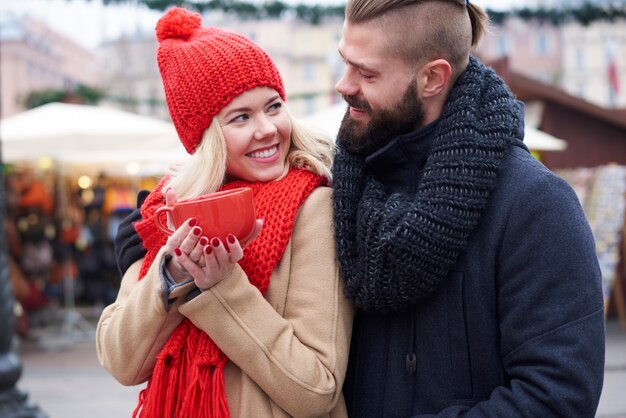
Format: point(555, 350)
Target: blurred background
point(84, 127)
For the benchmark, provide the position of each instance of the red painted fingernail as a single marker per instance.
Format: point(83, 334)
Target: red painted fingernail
point(215, 242)
point(193, 222)
point(204, 241)
point(207, 249)
point(178, 251)
point(197, 230)
point(231, 238)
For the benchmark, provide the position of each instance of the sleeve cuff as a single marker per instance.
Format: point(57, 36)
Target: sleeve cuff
point(168, 284)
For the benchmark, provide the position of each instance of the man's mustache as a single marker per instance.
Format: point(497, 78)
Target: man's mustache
point(357, 103)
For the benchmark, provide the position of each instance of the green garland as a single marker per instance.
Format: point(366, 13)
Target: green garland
point(86, 94)
point(585, 14)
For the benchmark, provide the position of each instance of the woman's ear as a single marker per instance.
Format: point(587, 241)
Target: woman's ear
point(433, 78)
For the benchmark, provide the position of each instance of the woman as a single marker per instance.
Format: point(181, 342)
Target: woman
point(216, 330)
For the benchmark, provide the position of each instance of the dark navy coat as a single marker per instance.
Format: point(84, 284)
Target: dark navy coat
point(517, 330)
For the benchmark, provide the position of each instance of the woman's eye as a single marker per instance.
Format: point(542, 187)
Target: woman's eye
point(240, 118)
point(367, 76)
point(275, 106)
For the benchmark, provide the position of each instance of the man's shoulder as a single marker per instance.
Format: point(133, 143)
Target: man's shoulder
point(519, 160)
point(526, 184)
point(522, 171)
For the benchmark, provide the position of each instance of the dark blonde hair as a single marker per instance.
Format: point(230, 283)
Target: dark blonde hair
point(424, 30)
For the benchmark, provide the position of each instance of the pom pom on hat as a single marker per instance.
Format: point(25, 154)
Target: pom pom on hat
point(178, 23)
point(204, 68)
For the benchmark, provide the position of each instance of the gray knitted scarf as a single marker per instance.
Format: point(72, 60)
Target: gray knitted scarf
point(397, 249)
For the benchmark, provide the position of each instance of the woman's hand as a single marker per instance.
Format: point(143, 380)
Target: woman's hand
point(188, 238)
point(217, 260)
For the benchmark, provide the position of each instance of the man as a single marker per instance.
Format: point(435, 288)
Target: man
point(472, 265)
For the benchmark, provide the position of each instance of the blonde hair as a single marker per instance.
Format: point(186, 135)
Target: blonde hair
point(310, 148)
point(424, 30)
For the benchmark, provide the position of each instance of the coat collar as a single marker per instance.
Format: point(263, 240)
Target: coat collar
point(398, 164)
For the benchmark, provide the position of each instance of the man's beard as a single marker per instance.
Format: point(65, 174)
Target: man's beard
point(384, 125)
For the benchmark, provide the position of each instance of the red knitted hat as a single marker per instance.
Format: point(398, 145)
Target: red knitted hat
point(204, 68)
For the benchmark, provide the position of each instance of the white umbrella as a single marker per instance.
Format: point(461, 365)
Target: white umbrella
point(541, 141)
point(148, 163)
point(330, 118)
point(95, 137)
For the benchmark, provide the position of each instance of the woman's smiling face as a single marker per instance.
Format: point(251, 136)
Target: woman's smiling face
point(257, 130)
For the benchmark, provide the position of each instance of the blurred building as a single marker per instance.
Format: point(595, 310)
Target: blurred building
point(35, 58)
point(595, 135)
point(586, 61)
point(594, 62)
point(306, 56)
point(131, 77)
point(532, 48)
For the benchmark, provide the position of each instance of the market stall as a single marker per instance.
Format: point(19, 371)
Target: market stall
point(602, 193)
point(72, 173)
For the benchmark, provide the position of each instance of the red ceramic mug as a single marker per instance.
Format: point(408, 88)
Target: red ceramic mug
point(218, 214)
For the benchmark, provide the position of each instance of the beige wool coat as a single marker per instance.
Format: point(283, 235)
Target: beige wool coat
point(288, 350)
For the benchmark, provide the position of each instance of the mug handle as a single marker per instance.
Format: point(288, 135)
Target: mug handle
point(158, 217)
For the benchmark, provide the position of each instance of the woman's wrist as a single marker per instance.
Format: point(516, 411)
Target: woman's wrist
point(177, 273)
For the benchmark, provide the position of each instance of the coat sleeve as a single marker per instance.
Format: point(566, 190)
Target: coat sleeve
point(550, 310)
point(298, 358)
point(127, 243)
point(133, 329)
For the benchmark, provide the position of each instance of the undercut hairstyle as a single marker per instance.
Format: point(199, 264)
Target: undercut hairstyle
point(419, 31)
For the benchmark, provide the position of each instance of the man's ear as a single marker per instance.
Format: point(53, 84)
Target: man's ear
point(433, 78)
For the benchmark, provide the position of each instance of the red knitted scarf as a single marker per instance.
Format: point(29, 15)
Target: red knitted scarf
point(188, 378)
